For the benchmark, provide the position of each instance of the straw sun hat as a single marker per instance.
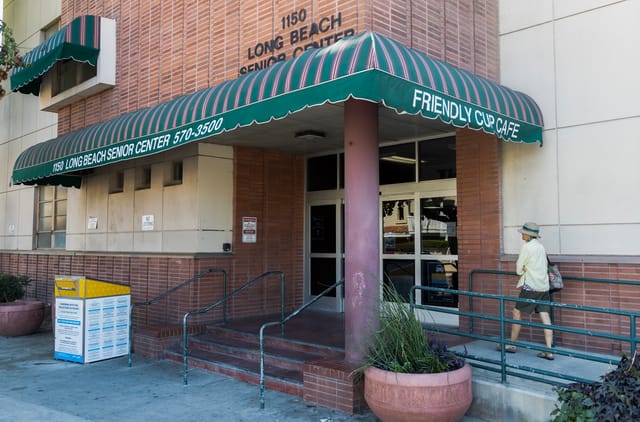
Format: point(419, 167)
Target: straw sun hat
point(530, 229)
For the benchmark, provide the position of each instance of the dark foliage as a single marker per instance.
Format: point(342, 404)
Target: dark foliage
point(615, 398)
point(12, 287)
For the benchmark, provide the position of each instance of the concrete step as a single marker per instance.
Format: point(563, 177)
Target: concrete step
point(275, 378)
point(237, 354)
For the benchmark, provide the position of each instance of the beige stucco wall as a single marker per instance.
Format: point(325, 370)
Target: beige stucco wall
point(22, 125)
point(191, 217)
point(578, 59)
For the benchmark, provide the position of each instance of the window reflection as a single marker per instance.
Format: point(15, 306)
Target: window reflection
point(398, 164)
point(437, 159)
point(441, 274)
point(400, 274)
point(398, 231)
point(438, 226)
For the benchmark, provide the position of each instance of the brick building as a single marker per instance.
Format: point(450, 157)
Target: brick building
point(327, 140)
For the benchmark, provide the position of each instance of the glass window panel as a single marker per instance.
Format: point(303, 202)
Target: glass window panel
point(61, 222)
point(44, 240)
point(323, 229)
point(59, 240)
point(322, 173)
point(441, 274)
point(61, 192)
point(438, 226)
point(342, 234)
point(397, 226)
point(437, 159)
point(398, 164)
point(342, 171)
point(61, 207)
point(323, 275)
point(45, 209)
point(44, 224)
point(46, 193)
point(400, 274)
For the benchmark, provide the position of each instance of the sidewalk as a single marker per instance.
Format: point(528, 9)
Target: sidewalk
point(36, 387)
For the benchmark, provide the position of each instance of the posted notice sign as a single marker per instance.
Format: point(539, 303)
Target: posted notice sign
point(249, 229)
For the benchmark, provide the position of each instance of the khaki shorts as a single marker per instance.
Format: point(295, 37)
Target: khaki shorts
point(527, 307)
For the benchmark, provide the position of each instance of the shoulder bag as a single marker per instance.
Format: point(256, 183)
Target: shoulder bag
point(555, 278)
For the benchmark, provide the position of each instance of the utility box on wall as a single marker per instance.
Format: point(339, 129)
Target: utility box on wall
point(91, 321)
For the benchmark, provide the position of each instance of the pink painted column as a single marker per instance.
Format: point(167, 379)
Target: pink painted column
point(362, 248)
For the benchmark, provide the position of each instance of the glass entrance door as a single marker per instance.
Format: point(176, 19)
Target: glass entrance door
point(419, 247)
point(325, 263)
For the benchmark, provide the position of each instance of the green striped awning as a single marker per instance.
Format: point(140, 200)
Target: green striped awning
point(368, 67)
point(78, 41)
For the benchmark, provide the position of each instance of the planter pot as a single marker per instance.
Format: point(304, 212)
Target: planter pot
point(21, 317)
point(395, 397)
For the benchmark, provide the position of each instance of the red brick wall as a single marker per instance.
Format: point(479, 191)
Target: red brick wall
point(169, 48)
point(478, 186)
point(463, 33)
point(334, 384)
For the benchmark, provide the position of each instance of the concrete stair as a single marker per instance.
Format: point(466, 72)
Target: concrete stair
point(237, 354)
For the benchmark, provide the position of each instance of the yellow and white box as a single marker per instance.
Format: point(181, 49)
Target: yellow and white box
point(91, 319)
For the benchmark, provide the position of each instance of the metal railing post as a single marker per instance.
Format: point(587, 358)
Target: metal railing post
point(185, 348)
point(223, 301)
point(129, 358)
point(632, 329)
point(282, 302)
point(503, 355)
point(162, 296)
point(282, 322)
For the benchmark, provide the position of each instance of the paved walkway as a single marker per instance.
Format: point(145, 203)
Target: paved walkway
point(36, 387)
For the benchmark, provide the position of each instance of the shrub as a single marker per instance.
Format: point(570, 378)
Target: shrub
point(615, 398)
point(12, 287)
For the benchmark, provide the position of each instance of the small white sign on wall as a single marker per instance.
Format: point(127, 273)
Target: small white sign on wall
point(147, 222)
point(249, 229)
point(93, 223)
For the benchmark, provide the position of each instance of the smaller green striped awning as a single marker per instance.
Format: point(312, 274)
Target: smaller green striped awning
point(368, 67)
point(78, 41)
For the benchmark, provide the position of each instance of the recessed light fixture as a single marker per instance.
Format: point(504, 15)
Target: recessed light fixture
point(399, 159)
point(310, 135)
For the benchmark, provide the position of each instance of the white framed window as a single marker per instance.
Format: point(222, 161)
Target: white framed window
point(51, 217)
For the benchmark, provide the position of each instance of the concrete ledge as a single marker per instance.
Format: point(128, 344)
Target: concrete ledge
point(493, 401)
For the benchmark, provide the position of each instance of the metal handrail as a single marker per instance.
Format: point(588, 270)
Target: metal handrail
point(564, 277)
point(223, 301)
point(282, 322)
point(167, 293)
point(632, 339)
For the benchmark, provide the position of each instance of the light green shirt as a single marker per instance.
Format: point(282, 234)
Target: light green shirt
point(532, 266)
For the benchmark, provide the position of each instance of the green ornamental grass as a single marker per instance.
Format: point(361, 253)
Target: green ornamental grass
point(401, 344)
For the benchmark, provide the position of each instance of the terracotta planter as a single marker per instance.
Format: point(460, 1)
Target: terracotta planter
point(21, 317)
point(395, 397)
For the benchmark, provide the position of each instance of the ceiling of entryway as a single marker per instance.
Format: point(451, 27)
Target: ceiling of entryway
point(329, 120)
